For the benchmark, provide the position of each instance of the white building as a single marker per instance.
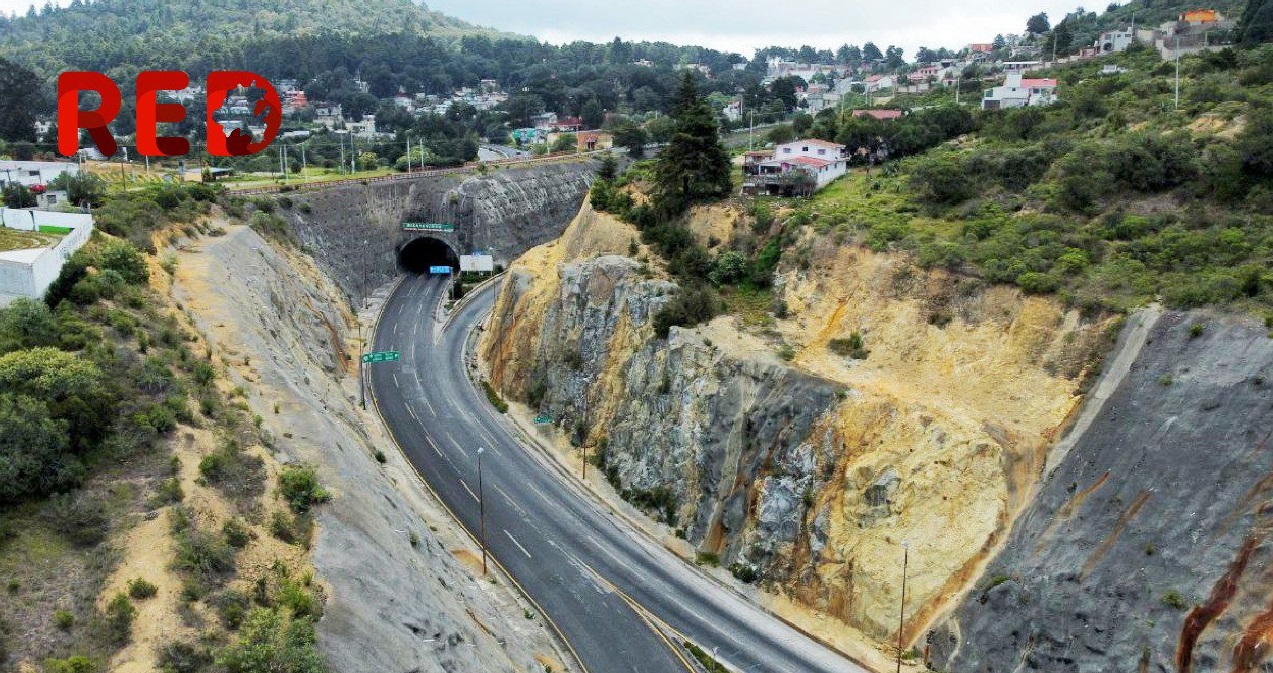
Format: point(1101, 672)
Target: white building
point(29, 272)
point(1113, 41)
point(32, 173)
point(1018, 91)
point(823, 161)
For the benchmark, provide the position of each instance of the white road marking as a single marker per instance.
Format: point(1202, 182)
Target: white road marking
point(511, 503)
point(455, 443)
point(466, 487)
point(519, 545)
point(398, 385)
point(612, 555)
point(540, 493)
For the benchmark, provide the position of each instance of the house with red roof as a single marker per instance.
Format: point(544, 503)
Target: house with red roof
point(1018, 91)
point(797, 168)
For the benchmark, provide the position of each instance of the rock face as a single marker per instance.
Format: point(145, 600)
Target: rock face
point(808, 469)
point(1147, 548)
point(354, 231)
point(398, 598)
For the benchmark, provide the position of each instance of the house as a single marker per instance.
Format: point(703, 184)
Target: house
point(733, 112)
point(294, 99)
point(28, 272)
point(924, 73)
point(1200, 17)
point(1020, 92)
point(1021, 66)
point(796, 168)
point(882, 115)
point(981, 48)
point(1112, 69)
point(878, 82)
point(34, 173)
point(1114, 41)
point(594, 140)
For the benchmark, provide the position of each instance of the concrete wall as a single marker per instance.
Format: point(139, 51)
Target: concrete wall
point(354, 231)
point(28, 273)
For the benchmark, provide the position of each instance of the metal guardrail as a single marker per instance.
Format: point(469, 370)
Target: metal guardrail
point(417, 173)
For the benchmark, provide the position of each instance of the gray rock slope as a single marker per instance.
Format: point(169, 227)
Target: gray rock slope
point(1147, 548)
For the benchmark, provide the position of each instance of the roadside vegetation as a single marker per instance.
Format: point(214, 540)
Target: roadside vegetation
point(99, 383)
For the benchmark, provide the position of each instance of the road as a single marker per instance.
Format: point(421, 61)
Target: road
point(602, 584)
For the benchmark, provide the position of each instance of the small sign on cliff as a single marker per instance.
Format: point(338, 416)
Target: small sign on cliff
point(427, 226)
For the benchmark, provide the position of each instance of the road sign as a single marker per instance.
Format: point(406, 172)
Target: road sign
point(427, 226)
point(543, 419)
point(444, 270)
point(480, 263)
point(380, 356)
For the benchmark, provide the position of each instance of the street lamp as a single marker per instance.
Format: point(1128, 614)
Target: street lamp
point(901, 612)
point(481, 510)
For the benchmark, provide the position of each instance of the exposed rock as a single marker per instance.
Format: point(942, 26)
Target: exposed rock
point(1148, 547)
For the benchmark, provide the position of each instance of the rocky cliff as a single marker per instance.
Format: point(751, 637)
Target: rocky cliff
point(760, 444)
point(1147, 547)
point(354, 231)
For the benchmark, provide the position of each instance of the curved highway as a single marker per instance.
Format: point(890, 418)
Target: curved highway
point(622, 602)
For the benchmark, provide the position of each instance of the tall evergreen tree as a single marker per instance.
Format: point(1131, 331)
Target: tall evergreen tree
point(19, 102)
point(1256, 25)
point(694, 165)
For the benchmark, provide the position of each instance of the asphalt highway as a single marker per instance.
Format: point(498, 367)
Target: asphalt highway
point(603, 585)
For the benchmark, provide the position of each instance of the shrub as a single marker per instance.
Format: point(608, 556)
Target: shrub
point(852, 347)
point(236, 534)
point(204, 554)
point(707, 558)
point(298, 484)
point(168, 492)
point(231, 607)
point(380, 457)
point(493, 397)
point(63, 619)
point(183, 657)
point(273, 640)
point(76, 664)
point(80, 517)
point(1174, 600)
point(141, 589)
point(119, 617)
point(686, 309)
point(1196, 330)
point(743, 572)
point(291, 529)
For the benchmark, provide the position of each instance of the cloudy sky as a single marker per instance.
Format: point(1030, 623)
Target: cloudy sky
point(744, 25)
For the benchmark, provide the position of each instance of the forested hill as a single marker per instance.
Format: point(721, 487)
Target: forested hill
point(103, 34)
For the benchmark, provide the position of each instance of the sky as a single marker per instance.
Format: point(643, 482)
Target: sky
point(742, 26)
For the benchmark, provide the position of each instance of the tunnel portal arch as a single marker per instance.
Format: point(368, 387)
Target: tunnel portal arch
point(418, 254)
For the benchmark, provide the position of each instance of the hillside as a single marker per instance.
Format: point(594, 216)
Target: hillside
point(107, 34)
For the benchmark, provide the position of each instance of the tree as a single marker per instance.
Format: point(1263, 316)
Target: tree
point(850, 55)
point(20, 102)
point(609, 168)
point(871, 53)
point(632, 137)
point(18, 196)
point(694, 165)
point(81, 188)
point(27, 323)
point(593, 114)
point(784, 89)
point(1256, 25)
point(566, 142)
point(1000, 42)
point(925, 55)
point(620, 52)
point(34, 450)
point(1038, 24)
point(893, 57)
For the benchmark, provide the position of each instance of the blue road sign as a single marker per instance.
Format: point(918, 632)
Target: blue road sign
point(444, 270)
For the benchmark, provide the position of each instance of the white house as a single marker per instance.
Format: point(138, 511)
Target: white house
point(32, 173)
point(1018, 91)
point(878, 82)
point(823, 161)
point(1112, 41)
point(29, 272)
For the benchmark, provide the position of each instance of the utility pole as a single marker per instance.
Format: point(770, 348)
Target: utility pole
point(481, 510)
point(408, 154)
point(901, 613)
point(342, 154)
point(303, 164)
point(1177, 72)
point(362, 377)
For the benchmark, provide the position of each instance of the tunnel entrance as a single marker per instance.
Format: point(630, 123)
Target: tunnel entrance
point(419, 254)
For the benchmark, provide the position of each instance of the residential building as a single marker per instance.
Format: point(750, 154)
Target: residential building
point(1114, 41)
point(733, 112)
point(794, 169)
point(34, 173)
point(1018, 91)
point(1021, 66)
point(879, 82)
point(29, 272)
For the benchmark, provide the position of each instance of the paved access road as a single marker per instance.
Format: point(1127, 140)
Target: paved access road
point(600, 582)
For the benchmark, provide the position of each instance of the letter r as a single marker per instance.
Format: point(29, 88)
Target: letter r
point(70, 118)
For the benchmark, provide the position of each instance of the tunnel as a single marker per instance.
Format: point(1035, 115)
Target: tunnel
point(419, 254)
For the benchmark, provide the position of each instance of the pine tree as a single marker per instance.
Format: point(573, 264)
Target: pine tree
point(694, 165)
point(1256, 25)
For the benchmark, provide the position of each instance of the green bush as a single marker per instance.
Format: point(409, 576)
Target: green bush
point(236, 533)
point(852, 347)
point(75, 664)
point(1174, 600)
point(183, 657)
point(205, 555)
point(231, 607)
point(298, 484)
point(118, 619)
point(63, 619)
point(686, 309)
point(273, 640)
point(493, 397)
point(140, 589)
point(168, 492)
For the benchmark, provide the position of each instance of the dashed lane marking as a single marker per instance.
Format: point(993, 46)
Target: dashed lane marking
point(519, 545)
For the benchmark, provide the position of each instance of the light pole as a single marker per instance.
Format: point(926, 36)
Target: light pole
point(901, 611)
point(481, 510)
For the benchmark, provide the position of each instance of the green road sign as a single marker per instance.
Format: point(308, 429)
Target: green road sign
point(427, 226)
point(380, 356)
point(543, 419)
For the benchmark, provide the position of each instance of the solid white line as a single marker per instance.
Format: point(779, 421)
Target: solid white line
point(511, 503)
point(396, 384)
point(540, 493)
point(466, 487)
point(519, 545)
point(456, 444)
